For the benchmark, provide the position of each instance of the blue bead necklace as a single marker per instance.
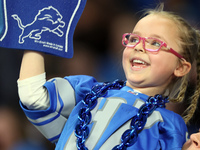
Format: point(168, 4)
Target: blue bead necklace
point(129, 137)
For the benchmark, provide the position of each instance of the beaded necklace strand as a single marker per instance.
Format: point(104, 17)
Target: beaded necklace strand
point(129, 137)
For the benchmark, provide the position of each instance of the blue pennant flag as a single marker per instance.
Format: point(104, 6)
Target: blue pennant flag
point(41, 25)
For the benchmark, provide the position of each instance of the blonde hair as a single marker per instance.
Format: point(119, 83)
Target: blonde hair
point(189, 42)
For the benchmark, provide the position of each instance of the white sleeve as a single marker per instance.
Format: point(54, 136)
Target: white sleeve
point(32, 93)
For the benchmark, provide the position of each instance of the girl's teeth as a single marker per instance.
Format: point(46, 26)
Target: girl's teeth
point(138, 61)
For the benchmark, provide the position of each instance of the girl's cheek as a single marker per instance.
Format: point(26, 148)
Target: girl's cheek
point(126, 53)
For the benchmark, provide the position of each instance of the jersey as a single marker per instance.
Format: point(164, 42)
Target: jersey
point(164, 129)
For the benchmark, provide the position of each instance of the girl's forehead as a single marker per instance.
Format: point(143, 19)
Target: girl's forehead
point(154, 25)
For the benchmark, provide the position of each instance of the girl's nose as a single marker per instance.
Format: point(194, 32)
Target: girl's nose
point(140, 46)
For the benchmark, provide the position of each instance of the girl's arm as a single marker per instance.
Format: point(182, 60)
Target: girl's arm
point(31, 91)
point(35, 98)
point(32, 64)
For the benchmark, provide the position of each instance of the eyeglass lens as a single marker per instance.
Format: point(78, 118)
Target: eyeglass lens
point(150, 43)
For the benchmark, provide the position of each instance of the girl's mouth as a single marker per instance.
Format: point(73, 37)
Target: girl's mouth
point(139, 64)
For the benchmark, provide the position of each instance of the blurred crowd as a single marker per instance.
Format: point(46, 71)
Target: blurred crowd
point(97, 52)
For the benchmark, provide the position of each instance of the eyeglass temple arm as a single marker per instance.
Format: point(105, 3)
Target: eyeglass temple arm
point(177, 54)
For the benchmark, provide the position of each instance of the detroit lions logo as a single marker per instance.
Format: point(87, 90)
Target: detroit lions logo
point(48, 19)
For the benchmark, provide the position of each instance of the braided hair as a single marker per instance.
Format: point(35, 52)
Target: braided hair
point(190, 44)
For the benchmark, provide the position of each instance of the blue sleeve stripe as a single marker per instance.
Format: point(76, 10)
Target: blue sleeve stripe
point(35, 114)
point(54, 138)
point(61, 103)
point(46, 121)
point(53, 118)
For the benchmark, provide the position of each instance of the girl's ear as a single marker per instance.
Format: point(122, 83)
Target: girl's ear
point(182, 69)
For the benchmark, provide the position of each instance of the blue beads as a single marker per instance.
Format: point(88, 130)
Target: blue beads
point(81, 131)
point(119, 147)
point(138, 123)
point(85, 116)
point(129, 137)
point(80, 144)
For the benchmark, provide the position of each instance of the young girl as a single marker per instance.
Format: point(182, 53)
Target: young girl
point(77, 112)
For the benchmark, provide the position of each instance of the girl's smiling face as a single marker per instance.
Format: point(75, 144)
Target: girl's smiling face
point(147, 70)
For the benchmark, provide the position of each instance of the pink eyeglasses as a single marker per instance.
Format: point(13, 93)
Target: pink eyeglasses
point(149, 44)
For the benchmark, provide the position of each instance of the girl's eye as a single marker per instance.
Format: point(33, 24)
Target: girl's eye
point(155, 43)
point(133, 39)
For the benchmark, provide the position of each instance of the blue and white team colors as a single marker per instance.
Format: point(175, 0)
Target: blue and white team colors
point(164, 129)
point(40, 25)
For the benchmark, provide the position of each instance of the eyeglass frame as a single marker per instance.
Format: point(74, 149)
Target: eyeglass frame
point(150, 50)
